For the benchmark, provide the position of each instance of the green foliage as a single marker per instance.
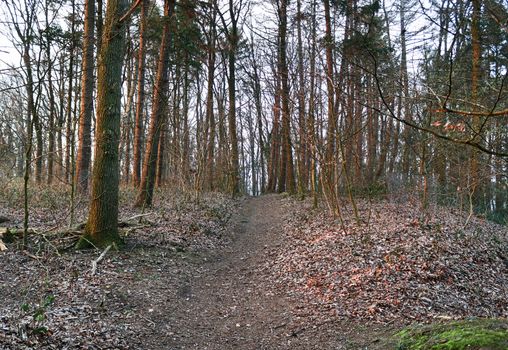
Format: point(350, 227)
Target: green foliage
point(374, 189)
point(188, 41)
point(38, 313)
point(499, 216)
point(153, 35)
point(368, 40)
point(486, 334)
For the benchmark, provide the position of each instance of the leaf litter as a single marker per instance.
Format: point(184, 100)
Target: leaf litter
point(52, 300)
point(398, 266)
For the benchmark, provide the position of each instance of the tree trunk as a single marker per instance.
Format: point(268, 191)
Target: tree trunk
point(259, 118)
point(159, 174)
point(404, 101)
point(286, 176)
point(102, 226)
point(69, 129)
point(273, 165)
point(138, 124)
point(233, 137)
point(52, 104)
point(311, 129)
point(303, 148)
point(145, 194)
point(85, 119)
point(475, 181)
point(31, 118)
point(61, 116)
point(328, 172)
point(210, 117)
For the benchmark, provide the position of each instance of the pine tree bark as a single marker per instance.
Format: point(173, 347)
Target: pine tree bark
point(161, 161)
point(145, 194)
point(101, 229)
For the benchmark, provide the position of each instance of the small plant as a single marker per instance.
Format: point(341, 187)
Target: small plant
point(38, 315)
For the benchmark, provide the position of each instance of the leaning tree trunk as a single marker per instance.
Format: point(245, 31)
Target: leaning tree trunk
point(102, 227)
point(145, 194)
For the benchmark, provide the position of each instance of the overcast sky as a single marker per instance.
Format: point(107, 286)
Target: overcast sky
point(262, 9)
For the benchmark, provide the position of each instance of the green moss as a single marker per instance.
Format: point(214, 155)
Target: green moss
point(87, 242)
point(481, 334)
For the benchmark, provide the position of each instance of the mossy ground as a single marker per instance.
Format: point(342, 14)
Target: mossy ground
point(480, 334)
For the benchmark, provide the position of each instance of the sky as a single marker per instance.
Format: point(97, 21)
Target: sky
point(10, 57)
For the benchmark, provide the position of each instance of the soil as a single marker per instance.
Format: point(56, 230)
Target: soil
point(228, 303)
point(166, 291)
point(254, 273)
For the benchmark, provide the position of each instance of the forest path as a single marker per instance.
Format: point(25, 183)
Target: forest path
point(225, 306)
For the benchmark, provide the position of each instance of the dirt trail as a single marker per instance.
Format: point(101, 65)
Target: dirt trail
point(226, 305)
point(159, 295)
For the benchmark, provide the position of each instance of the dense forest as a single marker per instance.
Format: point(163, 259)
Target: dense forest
point(326, 99)
point(335, 103)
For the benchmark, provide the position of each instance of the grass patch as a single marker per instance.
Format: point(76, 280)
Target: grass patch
point(481, 334)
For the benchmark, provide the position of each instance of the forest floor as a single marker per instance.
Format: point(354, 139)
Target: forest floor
point(255, 273)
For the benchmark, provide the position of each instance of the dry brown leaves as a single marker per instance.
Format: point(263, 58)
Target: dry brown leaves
point(52, 300)
point(395, 266)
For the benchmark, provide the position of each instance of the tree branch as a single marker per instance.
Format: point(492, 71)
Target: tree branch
point(130, 11)
point(391, 114)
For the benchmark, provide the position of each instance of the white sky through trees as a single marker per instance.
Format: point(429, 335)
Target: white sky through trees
point(261, 17)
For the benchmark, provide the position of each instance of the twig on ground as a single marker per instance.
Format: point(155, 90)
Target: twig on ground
point(136, 217)
point(51, 244)
point(147, 319)
point(130, 230)
point(31, 255)
point(98, 260)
